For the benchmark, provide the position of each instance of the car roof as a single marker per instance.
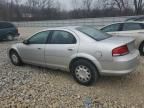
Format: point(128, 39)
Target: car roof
point(135, 17)
point(129, 22)
point(63, 28)
point(60, 28)
point(142, 22)
point(132, 18)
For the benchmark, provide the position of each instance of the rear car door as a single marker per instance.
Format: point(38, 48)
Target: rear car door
point(60, 49)
point(33, 52)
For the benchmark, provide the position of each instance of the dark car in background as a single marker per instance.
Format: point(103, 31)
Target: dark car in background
point(8, 31)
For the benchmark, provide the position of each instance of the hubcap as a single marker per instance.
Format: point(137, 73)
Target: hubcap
point(83, 73)
point(14, 58)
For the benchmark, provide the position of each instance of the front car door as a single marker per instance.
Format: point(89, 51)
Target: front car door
point(33, 52)
point(60, 49)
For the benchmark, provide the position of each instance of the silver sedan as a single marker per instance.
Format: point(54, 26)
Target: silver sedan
point(84, 51)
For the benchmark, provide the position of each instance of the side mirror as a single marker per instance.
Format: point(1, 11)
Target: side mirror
point(26, 42)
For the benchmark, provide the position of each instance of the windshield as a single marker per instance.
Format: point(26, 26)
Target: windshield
point(94, 33)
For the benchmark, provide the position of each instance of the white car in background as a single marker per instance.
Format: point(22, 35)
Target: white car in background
point(132, 29)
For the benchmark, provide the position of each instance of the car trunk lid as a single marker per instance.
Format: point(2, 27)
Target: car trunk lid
point(115, 42)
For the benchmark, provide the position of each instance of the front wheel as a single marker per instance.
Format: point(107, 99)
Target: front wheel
point(15, 59)
point(84, 72)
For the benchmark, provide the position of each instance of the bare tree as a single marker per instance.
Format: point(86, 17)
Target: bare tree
point(32, 4)
point(121, 4)
point(17, 9)
point(138, 4)
point(87, 4)
point(39, 4)
point(76, 4)
point(57, 5)
point(103, 4)
point(1, 9)
point(51, 9)
point(45, 4)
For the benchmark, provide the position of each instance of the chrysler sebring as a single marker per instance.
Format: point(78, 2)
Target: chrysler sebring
point(84, 51)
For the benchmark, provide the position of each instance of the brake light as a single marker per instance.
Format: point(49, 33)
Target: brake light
point(120, 51)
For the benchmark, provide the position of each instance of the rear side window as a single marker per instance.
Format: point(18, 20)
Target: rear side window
point(62, 37)
point(5, 25)
point(111, 28)
point(131, 26)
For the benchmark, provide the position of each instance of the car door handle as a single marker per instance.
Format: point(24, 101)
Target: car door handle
point(39, 48)
point(70, 49)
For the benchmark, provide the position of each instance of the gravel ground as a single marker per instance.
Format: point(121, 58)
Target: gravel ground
point(34, 87)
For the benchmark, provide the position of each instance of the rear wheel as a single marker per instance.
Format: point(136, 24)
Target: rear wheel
point(15, 59)
point(84, 72)
point(10, 37)
point(141, 49)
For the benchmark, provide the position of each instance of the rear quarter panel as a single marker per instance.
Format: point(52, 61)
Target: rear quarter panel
point(95, 51)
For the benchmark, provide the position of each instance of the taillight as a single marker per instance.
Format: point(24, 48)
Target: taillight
point(120, 51)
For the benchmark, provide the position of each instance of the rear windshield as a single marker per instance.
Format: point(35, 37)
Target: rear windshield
point(93, 33)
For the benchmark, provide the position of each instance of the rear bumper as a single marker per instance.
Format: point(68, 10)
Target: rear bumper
point(121, 65)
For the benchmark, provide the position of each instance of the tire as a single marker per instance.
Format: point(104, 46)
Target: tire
point(15, 59)
point(10, 37)
point(141, 49)
point(84, 72)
